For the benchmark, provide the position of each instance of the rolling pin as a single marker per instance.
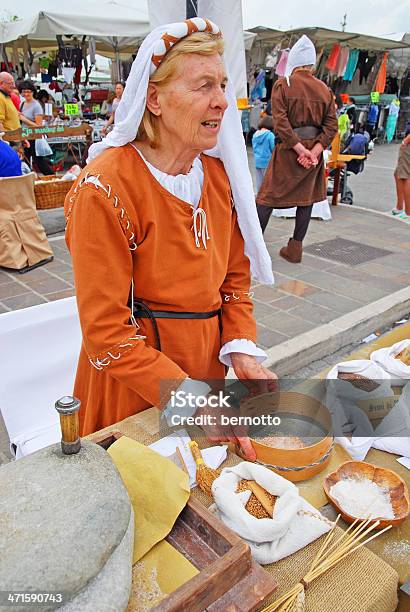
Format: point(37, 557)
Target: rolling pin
point(262, 496)
point(68, 408)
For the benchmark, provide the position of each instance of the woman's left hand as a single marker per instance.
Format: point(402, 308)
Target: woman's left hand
point(317, 150)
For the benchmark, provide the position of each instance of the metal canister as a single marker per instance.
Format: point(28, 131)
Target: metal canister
point(68, 407)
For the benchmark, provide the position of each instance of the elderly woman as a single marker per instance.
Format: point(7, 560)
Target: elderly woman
point(161, 274)
point(304, 122)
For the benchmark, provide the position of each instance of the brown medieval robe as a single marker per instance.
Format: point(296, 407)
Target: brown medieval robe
point(123, 225)
point(305, 102)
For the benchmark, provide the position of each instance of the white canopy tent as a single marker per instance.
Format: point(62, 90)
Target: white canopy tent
point(116, 27)
point(103, 20)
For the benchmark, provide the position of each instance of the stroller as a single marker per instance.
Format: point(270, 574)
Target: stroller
point(356, 144)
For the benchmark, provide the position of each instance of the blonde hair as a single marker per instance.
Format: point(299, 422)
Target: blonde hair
point(203, 43)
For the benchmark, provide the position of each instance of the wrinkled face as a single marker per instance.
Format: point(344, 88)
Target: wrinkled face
point(119, 90)
point(27, 94)
point(7, 83)
point(192, 105)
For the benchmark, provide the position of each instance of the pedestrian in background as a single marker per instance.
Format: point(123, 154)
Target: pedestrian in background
point(304, 122)
point(106, 108)
point(9, 117)
point(402, 177)
point(119, 90)
point(31, 114)
point(263, 143)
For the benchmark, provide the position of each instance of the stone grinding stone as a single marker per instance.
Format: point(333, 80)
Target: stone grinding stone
point(61, 518)
point(110, 590)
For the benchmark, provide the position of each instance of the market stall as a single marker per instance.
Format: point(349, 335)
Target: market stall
point(356, 66)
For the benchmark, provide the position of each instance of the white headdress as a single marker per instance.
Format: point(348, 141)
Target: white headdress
point(303, 53)
point(230, 147)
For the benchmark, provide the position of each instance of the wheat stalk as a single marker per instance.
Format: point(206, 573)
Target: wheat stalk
point(330, 554)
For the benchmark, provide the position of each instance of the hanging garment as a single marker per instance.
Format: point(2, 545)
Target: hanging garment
point(351, 64)
point(365, 65)
point(281, 67)
point(44, 62)
point(26, 56)
point(342, 61)
point(259, 90)
point(68, 74)
point(380, 85)
point(373, 114)
point(394, 108)
point(15, 58)
point(91, 49)
point(380, 121)
point(35, 67)
point(71, 56)
point(77, 75)
point(391, 127)
point(53, 69)
point(332, 62)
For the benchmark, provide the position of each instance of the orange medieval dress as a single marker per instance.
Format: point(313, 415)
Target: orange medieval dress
point(123, 226)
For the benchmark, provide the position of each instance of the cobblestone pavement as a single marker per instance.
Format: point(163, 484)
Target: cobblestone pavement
point(304, 296)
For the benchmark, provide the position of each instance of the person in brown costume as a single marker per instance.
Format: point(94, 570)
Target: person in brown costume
point(304, 122)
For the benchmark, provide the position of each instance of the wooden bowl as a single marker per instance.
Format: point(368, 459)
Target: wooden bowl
point(294, 464)
point(359, 470)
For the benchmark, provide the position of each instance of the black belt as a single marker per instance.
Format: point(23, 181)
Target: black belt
point(142, 311)
point(305, 132)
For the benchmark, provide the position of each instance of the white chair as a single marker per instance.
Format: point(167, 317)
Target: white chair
point(39, 349)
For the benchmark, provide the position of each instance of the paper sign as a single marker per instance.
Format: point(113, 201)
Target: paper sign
point(375, 97)
point(378, 408)
point(71, 109)
point(96, 108)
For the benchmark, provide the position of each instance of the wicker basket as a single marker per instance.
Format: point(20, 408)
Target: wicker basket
point(51, 193)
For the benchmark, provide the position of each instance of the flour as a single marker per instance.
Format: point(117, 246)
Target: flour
point(362, 498)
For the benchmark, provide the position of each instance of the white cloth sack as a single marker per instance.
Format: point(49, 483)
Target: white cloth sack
point(341, 401)
point(398, 423)
point(230, 148)
point(295, 523)
point(320, 210)
point(385, 358)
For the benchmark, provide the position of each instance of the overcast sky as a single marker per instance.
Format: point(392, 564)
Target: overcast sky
point(365, 16)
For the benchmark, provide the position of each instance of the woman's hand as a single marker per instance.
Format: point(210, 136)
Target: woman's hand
point(253, 375)
point(317, 151)
point(305, 157)
point(226, 433)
